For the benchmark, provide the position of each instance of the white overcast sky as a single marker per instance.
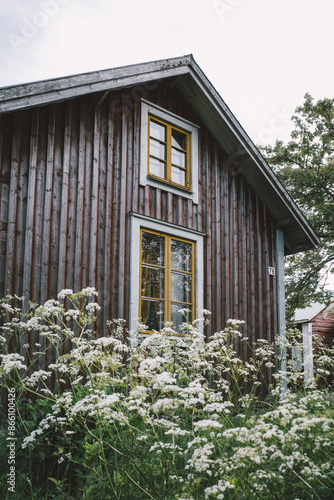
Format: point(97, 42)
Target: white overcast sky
point(261, 55)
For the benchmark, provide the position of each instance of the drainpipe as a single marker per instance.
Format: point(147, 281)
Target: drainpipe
point(281, 308)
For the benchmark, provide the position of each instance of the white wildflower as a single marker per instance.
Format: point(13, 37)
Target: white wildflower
point(110, 400)
point(35, 377)
point(64, 293)
point(218, 488)
point(31, 438)
point(235, 322)
point(201, 460)
point(184, 311)
point(72, 313)
point(88, 291)
point(92, 307)
point(164, 404)
point(10, 362)
point(177, 432)
point(165, 382)
point(32, 323)
point(218, 407)
point(207, 424)
point(50, 308)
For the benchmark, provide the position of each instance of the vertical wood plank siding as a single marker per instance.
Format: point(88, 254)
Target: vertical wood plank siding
point(323, 325)
point(69, 179)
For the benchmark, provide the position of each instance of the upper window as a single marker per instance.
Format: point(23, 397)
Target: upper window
point(167, 273)
point(168, 152)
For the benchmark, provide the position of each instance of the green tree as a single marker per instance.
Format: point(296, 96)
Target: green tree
point(305, 166)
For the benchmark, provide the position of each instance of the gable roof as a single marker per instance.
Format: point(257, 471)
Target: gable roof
point(308, 313)
point(206, 102)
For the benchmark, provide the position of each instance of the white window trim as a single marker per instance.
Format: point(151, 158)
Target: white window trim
point(139, 222)
point(148, 108)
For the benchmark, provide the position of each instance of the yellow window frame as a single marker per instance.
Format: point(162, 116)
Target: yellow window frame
point(167, 301)
point(168, 159)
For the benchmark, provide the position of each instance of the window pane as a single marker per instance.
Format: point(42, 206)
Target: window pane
point(178, 176)
point(178, 318)
point(153, 249)
point(181, 287)
point(152, 314)
point(181, 255)
point(178, 139)
point(157, 149)
point(157, 168)
point(157, 131)
point(178, 158)
point(152, 282)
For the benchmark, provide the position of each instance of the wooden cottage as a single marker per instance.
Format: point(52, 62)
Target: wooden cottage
point(140, 182)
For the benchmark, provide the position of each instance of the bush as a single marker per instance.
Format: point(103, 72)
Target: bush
point(169, 417)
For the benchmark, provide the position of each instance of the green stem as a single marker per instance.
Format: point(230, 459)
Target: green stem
point(138, 485)
point(105, 464)
point(303, 480)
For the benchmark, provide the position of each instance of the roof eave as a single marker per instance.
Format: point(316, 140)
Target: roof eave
point(241, 149)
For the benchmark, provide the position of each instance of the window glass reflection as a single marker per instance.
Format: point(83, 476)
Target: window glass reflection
point(181, 255)
point(153, 249)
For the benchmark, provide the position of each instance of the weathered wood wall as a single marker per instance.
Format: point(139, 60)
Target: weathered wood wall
point(323, 325)
point(69, 179)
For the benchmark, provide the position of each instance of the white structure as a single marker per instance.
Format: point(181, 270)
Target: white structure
point(304, 317)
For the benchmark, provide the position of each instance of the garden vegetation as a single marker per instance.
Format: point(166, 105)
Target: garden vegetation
point(160, 417)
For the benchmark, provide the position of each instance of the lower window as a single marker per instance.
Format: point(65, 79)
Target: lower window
point(167, 280)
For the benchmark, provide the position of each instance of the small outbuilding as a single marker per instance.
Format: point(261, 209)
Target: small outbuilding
point(317, 319)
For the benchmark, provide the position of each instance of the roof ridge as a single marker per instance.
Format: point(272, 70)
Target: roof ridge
point(169, 60)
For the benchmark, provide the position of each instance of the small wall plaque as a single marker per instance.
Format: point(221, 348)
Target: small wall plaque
point(272, 271)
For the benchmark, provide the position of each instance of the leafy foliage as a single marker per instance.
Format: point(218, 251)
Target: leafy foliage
point(305, 166)
point(167, 418)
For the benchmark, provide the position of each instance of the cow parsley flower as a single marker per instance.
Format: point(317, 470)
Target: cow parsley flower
point(92, 307)
point(64, 293)
point(10, 362)
point(88, 291)
point(35, 377)
point(7, 307)
point(220, 487)
point(207, 424)
point(200, 460)
point(72, 313)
